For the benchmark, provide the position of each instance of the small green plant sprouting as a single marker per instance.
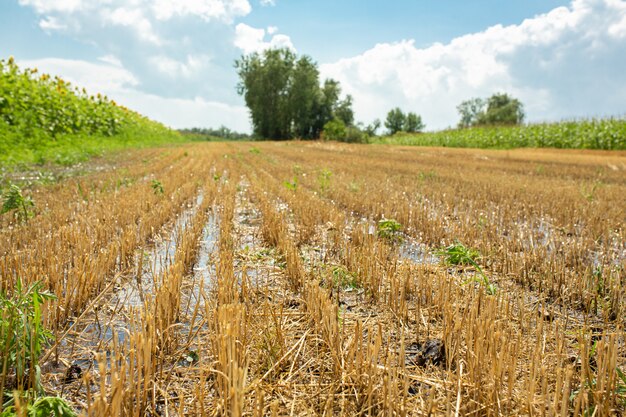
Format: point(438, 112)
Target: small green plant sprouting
point(354, 187)
point(15, 201)
point(157, 187)
point(22, 336)
point(324, 179)
point(459, 254)
point(620, 390)
point(292, 185)
point(589, 191)
point(43, 407)
point(255, 151)
point(390, 230)
point(427, 175)
point(343, 278)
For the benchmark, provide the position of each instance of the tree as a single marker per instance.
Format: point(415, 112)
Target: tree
point(395, 120)
point(304, 97)
point(370, 129)
point(503, 109)
point(334, 130)
point(285, 98)
point(264, 83)
point(499, 109)
point(470, 111)
point(343, 111)
point(413, 123)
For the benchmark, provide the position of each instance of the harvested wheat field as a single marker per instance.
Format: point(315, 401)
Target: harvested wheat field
point(311, 278)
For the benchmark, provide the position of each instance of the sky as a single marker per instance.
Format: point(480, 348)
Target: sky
point(173, 60)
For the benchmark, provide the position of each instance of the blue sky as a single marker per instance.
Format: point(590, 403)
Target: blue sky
point(173, 59)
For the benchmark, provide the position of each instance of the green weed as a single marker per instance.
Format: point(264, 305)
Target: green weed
point(291, 185)
point(324, 179)
point(22, 336)
point(459, 254)
point(157, 187)
point(15, 201)
point(390, 230)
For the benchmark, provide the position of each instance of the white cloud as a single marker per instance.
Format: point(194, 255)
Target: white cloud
point(51, 23)
point(560, 64)
point(95, 77)
point(175, 69)
point(250, 39)
point(268, 2)
point(134, 19)
point(111, 59)
point(180, 113)
point(121, 85)
point(48, 6)
point(224, 10)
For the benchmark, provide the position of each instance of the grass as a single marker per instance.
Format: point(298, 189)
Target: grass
point(608, 134)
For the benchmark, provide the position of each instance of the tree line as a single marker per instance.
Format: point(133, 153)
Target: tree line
point(287, 100)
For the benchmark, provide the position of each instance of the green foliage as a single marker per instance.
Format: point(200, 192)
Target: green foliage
point(222, 133)
point(502, 109)
point(335, 130)
point(390, 230)
point(459, 254)
point(344, 112)
point(413, 123)
point(291, 185)
point(499, 109)
point(157, 187)
point(343, 278)
point(324, 179)
point(15, 201)
point(284, 95)
point(608, 134)
point(43, 407)
point(45, 119)
point(395, 121)
point(255, 151)
point(371, 129)
point(22, 336)
point(470, 111)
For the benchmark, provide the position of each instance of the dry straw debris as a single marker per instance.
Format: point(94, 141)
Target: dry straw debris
point(192, 281)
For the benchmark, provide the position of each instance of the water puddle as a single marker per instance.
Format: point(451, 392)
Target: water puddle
point(417, 252)
point(155, 261)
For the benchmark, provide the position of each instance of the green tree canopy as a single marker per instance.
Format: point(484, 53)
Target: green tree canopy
point(284, 95)
point(413, 123)
point(499, 109)
point(395, 121)
point(503, 109)
point(470, 111)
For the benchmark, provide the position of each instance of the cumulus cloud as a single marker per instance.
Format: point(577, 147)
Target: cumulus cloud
point(103, 77)
point(50, 24)
point(134, 19)
point(224, 10)
point(560, 64)
point(48, 6)
point(250, 39)
point(108, 77)
point(174, 69)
